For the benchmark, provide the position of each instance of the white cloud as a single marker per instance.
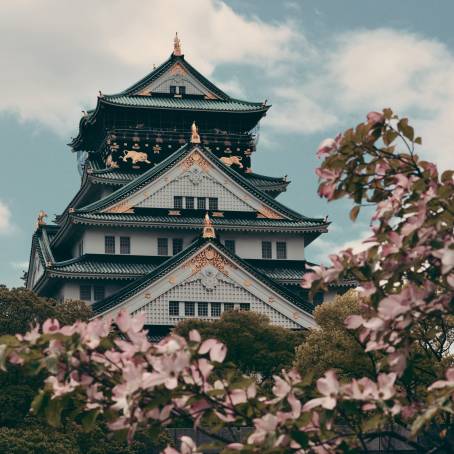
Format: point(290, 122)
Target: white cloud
point(20, 265)
point(5, 218)
point(57, 55)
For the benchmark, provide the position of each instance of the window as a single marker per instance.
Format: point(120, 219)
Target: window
point(174, 308)
point(99, 292)
point(245, 307)
point(85, 292)
point(201, 203)
point(215, 309)
point(229, 306)
point(202, 309)
point(178, 202)
point(81, 248)
point(189, 309)
point(177, 245)
point(182, 89)
point(213, 203)
point(281, 250)
point(266, 250)
point(125, 245)
point(189, 203)
point(230, 245)
point(163, 246)
point(173, 89)
point(109, 244)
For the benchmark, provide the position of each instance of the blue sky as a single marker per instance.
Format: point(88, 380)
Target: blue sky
point(322, 64)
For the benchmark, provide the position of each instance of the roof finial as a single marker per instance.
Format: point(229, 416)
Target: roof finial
point(177, 46)
point(208, 229)
point(195, 137)
point(41, 219)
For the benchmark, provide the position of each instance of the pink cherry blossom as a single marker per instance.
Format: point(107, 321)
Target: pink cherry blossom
point(329, 387)
point(449, 382)
point(374, 118)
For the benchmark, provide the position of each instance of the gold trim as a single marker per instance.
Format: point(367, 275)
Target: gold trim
point(209, 256)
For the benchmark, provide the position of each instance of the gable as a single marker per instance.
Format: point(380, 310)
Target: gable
point(194, 176)
point(177, 75)
point(208, 276)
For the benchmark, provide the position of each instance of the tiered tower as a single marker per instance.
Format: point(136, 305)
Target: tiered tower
point(170, 219)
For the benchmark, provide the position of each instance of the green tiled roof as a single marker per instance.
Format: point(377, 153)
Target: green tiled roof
point(229, 105)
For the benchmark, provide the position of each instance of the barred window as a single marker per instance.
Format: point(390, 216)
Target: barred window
point(109, 244)
point(266, 250)
point(163, 246)
point(229, 306)
point(213, 203)
point(174, 308)
point(201, 203)
point(189, 309)
point(215, 309)
point(125, 245)
point(245, 307)
point(182, 89)
point(85, 292)
point(99, 292)
point(281, 250)
point(177, 245)
point(178, 202)
point(202, 309)
point(230, 245)
point(189, 203)
point(173, 89)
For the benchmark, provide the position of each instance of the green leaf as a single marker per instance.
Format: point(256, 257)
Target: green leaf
point(301, 438)
point(418, 140)
point(406, 129)
point(354, 212)
point(53, 412)
point(89, 420)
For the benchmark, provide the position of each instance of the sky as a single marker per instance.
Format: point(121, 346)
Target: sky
point(322, 64)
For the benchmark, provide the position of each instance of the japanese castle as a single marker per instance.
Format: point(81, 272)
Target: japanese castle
point(170, 220)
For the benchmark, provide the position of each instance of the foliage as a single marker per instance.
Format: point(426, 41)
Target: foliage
point(406, 281)
point(257, 347)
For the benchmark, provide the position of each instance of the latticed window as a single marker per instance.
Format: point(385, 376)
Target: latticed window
point(99, 292)
point(177, 245)
point(230, 245)
point(201, 203)
point(178, 202)
point(229, 306)
point(125, 245)
point(173, 89)
point(109, 244)
point(182, 90)
point(174, 308)
point(215, 309)
point(189, 203)
point(266, 250)
point(163, 246)
point(281, 250)
point(189, 309)
point(85, 292)
point(202, 309)
point(213, 203)
point(245, 307)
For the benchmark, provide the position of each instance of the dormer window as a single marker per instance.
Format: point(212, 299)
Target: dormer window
point(177, 90)
point(182, 90)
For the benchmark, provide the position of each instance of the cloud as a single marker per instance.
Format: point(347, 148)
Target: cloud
point(57, 55)
point(5, 218)
point(20, 265)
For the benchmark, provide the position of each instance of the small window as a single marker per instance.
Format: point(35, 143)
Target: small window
point(125, 245)
point(81, 248)
point(213, 203)
point(99, 292)
point(173, 89)
point(85, 292)
point(266, 250)
point(201, 203)
point(178, 202)
point(215, 309)
point(163, 246)
point(177, 245)
point(109, 244)
point(182, 90)
point(281, 250)
point(229, 306)
point(202, 309)
point(245, 307)
point(189, 309)
point(230, 245)
point(174, 308)
point(189, 203)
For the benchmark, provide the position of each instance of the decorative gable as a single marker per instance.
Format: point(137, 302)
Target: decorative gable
point(197, 177)
point(209, 278)
point(176, 76)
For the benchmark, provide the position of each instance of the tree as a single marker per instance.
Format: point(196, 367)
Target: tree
point(253, 344)
point(406, 291)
